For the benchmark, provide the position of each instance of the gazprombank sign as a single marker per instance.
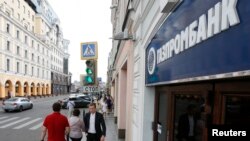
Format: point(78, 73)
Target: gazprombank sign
point(200, 38)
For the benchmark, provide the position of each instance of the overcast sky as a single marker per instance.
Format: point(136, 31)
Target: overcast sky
point(85, 21)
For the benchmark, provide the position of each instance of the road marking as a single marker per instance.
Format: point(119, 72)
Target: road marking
point(8, 120)
point(3, 117)
point(18, 121)
point(37, 126)
point(27, 123)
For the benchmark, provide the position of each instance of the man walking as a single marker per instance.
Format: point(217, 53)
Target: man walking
point(56, 125)
point(70, 106)
point(95, 127)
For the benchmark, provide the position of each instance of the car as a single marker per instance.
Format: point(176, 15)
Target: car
point(17, 104)
point(83, 96)
point(79, 102)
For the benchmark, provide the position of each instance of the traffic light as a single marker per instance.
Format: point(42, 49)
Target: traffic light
point(90, 77)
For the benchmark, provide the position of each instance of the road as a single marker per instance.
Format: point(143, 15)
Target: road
point(26, 125)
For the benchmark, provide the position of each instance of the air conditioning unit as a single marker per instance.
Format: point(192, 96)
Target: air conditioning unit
point(123, 36)
point(169, 5)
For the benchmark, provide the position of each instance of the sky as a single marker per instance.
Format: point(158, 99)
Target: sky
point(85, 21)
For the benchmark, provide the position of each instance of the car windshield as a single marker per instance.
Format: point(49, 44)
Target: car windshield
point(12, 99)
point(72, 99)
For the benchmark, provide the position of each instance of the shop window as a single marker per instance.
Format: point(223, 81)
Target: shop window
point(237, 110)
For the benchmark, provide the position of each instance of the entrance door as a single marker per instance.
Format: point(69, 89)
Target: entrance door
point(161, 125)
point(189, 116)
point(190, 112)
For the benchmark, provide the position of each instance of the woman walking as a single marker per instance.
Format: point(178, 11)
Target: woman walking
point(76, 126)
point(104, 106)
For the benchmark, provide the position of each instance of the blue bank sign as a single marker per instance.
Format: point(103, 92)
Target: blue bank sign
point(200, 40)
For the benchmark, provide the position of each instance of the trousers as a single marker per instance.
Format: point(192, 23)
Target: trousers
point(93, 137)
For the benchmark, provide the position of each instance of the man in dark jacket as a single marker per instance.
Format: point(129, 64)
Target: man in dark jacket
point(95, 127)
point(187, 124)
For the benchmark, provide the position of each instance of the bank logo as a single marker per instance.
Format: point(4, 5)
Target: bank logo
point(151, 61)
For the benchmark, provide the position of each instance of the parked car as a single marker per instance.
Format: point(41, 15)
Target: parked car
point(17, 103)
point(79, 102)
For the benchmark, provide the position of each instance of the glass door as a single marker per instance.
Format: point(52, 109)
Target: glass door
point(190, 112)
point(161, 126)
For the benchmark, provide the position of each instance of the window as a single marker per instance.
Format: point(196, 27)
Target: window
point(18, 50)
point(33, 30)
point(18, 4)
point(28, 13)
point(43, 62)
point(43, 50)
point(24, 9)
point(38, 59)
point(25, 69)
point(17, 67)
point(38, 47)
point(32, 56)
point(18, 16)
point(26, 54)
point(33, 18)
point(37, 72)
point(8, 45)
point(32, 43)
point(32, 71)
point(8, 64)
point(43, 74)
point(26, 39)
point(17, 34)
point(8, 28)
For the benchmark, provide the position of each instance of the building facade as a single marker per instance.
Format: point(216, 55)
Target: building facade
point(184, 53)
point(29, 36)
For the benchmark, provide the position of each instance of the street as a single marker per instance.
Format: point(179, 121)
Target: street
point(26, 125)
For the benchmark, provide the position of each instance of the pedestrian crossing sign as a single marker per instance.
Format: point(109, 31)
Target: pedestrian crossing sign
point(89, 50)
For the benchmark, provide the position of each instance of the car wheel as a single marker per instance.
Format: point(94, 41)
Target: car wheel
point(6, 111)
point(21, 109)
point(31, 106)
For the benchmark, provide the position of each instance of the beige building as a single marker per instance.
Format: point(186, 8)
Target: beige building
point(31, 47)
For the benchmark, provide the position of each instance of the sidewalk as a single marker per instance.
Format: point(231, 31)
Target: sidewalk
point(111, 132)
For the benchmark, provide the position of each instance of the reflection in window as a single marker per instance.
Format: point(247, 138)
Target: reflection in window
point(237, 110)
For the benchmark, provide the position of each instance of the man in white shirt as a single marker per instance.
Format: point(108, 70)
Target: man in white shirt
point(95, 127)
point(70, 106)
point(187, 124)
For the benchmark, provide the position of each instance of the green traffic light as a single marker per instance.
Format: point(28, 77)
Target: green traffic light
point(89, 71)
point(88, 79)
